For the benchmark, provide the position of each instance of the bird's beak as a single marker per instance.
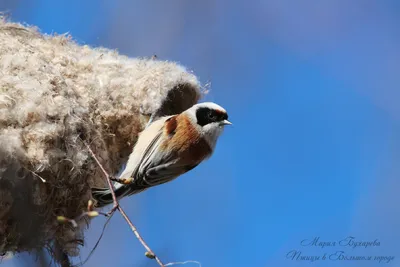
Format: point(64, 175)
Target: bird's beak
point(226, 122)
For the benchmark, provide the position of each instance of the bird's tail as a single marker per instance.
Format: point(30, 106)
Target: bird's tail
point(103, 196)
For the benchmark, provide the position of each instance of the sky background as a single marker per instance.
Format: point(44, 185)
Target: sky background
point(312, 88)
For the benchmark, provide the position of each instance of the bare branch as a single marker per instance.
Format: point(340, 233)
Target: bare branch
point(110, 185)
point(182, 262)
point(97, 242)
point(150, 254)
point(90, 213)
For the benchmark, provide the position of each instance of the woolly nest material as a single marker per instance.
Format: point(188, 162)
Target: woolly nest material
point(53, 93)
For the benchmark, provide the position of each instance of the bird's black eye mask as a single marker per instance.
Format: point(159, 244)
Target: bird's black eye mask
point(206, 115)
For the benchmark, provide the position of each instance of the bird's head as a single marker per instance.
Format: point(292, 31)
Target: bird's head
point(209, 119)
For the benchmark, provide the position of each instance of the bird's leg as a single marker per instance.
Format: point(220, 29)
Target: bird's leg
point(125, 181)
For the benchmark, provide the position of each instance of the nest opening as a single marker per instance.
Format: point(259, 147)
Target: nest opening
point(178, 99)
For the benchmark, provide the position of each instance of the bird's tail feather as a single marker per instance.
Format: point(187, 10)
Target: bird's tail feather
point(103, 196)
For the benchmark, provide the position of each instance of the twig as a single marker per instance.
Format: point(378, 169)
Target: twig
point(183, 262)
point(37, 175)
point(110, 185)
point(150, 254)
point(91, 213)
point(97, 243)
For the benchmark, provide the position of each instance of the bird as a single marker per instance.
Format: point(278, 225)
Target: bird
point(168, 147)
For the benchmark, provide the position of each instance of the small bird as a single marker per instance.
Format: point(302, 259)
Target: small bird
point(167, 148)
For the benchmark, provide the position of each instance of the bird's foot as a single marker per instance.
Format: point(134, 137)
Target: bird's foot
point(125, 181)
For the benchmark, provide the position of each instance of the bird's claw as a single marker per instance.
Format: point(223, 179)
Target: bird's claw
point(125, 181)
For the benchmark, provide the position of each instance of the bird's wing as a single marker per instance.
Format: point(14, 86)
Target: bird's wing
point(155, 158)
point(103, 195)
point(138, 185)
point(148, 141)
point(166, 172)
point(151, 167)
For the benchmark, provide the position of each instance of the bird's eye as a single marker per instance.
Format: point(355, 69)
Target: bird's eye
point(212, 116)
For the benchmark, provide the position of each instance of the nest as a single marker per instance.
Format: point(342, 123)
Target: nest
point(55, 93)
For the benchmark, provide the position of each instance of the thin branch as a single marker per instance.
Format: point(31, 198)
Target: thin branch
point(183, 262)
point(150, 254)
point(97, 243)
point(110, 185)
point(37, 175)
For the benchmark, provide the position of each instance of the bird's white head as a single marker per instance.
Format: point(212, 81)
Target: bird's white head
point(209, 119)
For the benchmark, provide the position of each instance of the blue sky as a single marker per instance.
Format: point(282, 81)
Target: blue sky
point(312, 90)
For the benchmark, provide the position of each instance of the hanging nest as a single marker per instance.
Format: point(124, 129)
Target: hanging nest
point(55, 93)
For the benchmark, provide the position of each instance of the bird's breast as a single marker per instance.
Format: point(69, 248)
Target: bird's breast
point(182, 138)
